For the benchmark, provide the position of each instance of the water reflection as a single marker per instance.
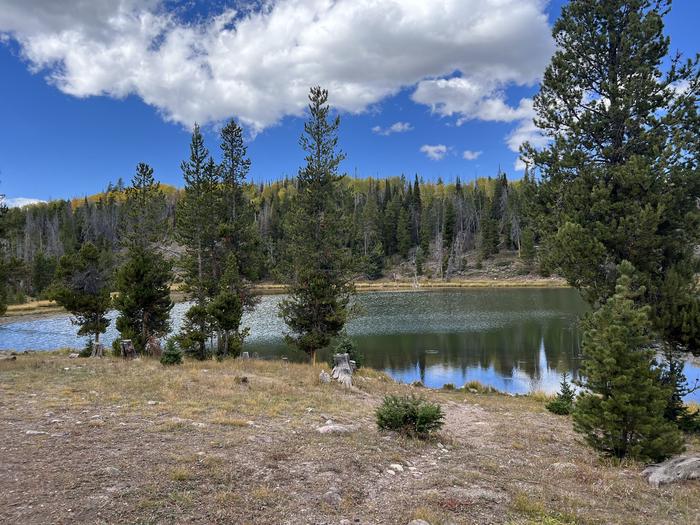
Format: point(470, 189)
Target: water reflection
point(516, 340)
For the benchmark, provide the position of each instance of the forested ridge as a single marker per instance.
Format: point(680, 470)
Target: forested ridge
point(390, 220)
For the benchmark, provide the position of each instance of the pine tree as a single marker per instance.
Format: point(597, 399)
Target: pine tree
point(621, 170)
point(143, 281)
point(620, 412)
point(198, 230)
point(403, 232)
point(527, 248)
point(319, 280)
point(239, 254)
point(82, 286)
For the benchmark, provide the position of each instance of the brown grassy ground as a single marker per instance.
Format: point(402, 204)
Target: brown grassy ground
point(134, 442)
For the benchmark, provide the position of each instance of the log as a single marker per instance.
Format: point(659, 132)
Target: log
point(128, 350)
point(342, 370)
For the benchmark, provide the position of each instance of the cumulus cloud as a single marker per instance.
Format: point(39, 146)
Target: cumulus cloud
point(18, 202)
point(436, 152)
point(396, 127)
point(257, 63)
point(470, 155)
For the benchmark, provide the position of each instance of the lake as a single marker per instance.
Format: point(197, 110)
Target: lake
point(514, 339)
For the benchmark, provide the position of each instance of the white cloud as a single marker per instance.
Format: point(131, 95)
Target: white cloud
point(471, 155)
point(258, 64)
point(436, 152)
point(396, 127)
point(18, 202)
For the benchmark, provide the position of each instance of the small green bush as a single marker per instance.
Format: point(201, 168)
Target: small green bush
point(563, 404)
point(346, 346)
point(410, 415)
point(172, 354)
point(448, 386)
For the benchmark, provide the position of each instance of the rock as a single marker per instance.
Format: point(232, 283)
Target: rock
point(334, 428)
point(418, 522)
point(332, 498)
point(396, 467)
point(8, 358)
point(35, 433)
point(151, 402)
point(324, 377)
point(111, 471)
point(680, 468)
point(563, 466)
point(390, 472)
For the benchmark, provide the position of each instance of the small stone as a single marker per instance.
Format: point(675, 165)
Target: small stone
point(390, 472)
point(418, 522)
point(151, 402)
point(324, 377)
point(396, 467)
point(73, 355)
point(334, 429)
point(35, 433)
point(112, 471)
point(332, 498)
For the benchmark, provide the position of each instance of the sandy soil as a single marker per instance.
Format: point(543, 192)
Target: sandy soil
point(106, 441)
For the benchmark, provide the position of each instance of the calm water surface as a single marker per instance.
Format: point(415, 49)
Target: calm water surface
point(516, 340)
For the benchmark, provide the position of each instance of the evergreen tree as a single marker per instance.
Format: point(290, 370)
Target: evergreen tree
point(319, 280)
point(621, 411)
point(420, 260)
point(374, 262)
point(43, 270)
point(82, 287)
point(403, 232)
point(527, 248)
point(619, 178)
point(143, 280)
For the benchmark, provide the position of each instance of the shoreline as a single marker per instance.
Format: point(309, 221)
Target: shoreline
point(45, 308)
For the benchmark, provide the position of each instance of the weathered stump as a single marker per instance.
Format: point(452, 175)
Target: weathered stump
point(98, 350)
point(128, 350)
point(153, 347)
point(342, 370)
point(245, 355)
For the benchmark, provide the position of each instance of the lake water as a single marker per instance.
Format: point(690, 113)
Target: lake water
point(516, 340)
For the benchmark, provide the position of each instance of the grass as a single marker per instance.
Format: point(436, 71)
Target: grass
point(213, 449)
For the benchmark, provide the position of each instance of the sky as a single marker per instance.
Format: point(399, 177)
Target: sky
point(440, 88)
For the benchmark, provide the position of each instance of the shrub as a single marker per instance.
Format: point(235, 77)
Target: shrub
point(410, 415)
point(346, 346)
point(172, 355)
point(563, 404)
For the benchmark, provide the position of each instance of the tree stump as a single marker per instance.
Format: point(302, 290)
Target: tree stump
point(128, 350)
point(98, 350)
point(245, 355)
point(342, 370)
point(153, 347)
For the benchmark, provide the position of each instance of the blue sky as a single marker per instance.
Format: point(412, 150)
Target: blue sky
point(83, 99)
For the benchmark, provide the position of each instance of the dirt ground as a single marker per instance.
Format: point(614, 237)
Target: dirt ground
point(106, 441)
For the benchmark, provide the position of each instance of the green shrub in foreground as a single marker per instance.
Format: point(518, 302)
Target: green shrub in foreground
point(563, 404)
point(410, 415)
point(172, 355)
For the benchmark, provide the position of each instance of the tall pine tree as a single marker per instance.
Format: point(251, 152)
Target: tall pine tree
point(144, 278)
point(318, 278)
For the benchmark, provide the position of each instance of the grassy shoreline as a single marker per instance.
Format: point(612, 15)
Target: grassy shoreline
point(106, 440)
point(45, 307)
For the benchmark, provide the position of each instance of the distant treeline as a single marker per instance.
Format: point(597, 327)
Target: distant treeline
point(393, 220)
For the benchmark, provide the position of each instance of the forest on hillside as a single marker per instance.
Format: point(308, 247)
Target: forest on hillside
point(436, 227)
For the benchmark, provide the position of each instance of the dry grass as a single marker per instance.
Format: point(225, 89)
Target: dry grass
point(138, 442)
